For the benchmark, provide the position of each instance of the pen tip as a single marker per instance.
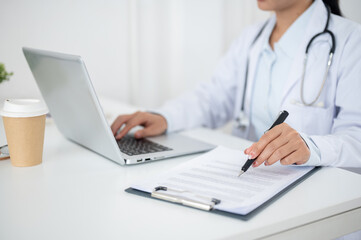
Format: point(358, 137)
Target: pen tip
point(240, 173)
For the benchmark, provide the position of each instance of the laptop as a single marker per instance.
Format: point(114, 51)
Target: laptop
point(66, 87)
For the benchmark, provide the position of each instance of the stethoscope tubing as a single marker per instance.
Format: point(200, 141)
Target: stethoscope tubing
point(329, 62)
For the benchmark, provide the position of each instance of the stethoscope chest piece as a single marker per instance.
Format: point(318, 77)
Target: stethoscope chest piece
point(242, 121)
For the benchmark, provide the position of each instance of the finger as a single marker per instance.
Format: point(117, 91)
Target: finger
point(292, 158)
point(145, 132)
point(270, 149)
point(282, 153)
point(137, 118)
point(305, 153)
point(257, 148)
point(304, 156)
point(131, 123)
point(301, 162)
point(128, 126)
point(119, 121)
point(124, 131)
point(248, 151)
point(152, 129)
point(301, 150)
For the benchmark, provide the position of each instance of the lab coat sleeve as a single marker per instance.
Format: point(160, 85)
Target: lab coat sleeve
point(342, 148)
point(211, 104)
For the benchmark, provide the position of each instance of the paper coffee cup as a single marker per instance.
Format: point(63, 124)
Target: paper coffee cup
point(24, 122)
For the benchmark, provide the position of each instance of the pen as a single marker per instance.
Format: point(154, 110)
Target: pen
point(280, 119)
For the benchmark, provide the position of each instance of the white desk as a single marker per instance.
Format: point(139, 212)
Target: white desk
point(77, 194)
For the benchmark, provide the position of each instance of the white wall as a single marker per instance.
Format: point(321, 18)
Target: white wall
point(139, 51)
point(96, 30)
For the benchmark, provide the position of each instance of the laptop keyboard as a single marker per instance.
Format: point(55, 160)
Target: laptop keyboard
point(131, 146)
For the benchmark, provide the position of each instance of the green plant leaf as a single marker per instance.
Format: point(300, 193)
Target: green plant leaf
point(4, 75)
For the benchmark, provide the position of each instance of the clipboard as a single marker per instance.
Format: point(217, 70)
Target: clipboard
point(209, 203)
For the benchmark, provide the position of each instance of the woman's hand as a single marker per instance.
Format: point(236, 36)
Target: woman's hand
point(153, 124)
point(281, 143)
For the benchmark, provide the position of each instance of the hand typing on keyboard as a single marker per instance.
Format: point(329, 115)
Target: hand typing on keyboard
point(153, 124)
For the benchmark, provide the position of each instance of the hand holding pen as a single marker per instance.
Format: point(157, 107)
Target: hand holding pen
point(280, 143)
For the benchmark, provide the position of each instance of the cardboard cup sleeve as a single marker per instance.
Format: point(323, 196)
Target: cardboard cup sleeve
point(25, 137)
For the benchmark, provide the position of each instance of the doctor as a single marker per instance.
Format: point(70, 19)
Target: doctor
point(266, 71)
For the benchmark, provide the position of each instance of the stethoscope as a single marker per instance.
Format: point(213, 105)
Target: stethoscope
point(242, 121)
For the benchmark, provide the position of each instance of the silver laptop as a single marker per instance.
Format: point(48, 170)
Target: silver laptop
point(66, 88)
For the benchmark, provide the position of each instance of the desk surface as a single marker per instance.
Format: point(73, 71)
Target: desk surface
point(77, 194)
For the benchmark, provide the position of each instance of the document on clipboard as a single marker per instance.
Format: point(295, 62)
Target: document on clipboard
point(210, 182)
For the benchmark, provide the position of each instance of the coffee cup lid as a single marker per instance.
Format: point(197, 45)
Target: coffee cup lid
point(23, 108)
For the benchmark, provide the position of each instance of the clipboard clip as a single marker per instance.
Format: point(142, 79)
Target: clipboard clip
point(173, 195)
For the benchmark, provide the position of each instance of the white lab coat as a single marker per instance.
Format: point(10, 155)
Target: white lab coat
point(335, 127)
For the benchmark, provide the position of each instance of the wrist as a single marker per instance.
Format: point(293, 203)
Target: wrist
point(315, 154)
